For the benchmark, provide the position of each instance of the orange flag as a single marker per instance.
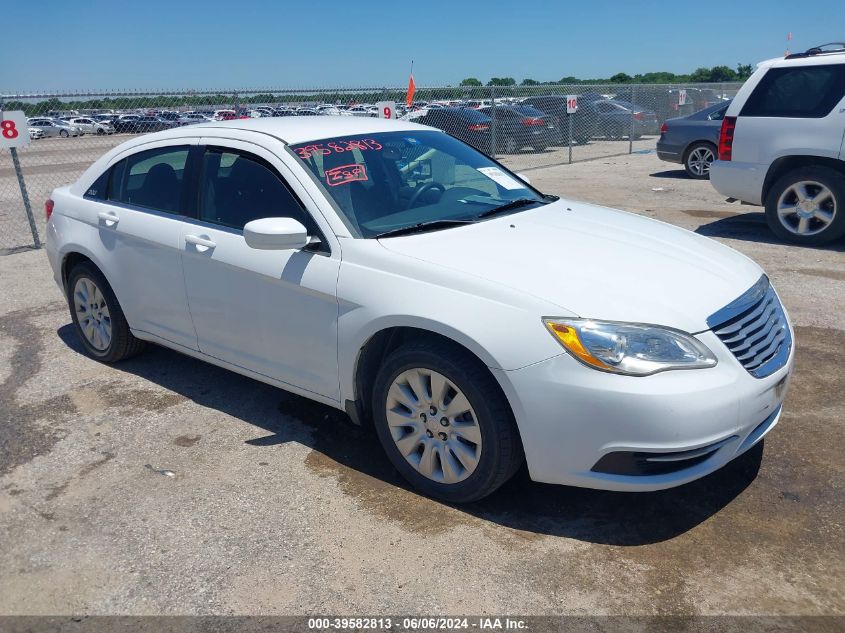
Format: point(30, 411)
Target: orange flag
point(412, 88)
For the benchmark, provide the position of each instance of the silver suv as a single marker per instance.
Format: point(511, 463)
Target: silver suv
point(782, 145)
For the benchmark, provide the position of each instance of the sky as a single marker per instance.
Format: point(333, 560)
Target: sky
point(179, 45)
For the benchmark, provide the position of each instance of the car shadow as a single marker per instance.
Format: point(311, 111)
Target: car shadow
point(613, 518)
point(752, 227)
point(674, 174)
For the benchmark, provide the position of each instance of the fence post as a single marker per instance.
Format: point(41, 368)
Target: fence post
point(36, 240)
point(631, 134)
point(493, 124)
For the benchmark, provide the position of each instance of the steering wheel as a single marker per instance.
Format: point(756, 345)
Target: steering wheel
point(421, 190)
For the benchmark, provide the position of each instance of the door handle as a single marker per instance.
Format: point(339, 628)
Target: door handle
point(196, 240)
point(109, 217)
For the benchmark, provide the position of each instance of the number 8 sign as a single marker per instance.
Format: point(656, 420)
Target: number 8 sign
point(14, 130)
point(386, 109)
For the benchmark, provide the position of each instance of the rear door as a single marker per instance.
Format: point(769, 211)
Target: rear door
point(139, 212)
point(273, 312)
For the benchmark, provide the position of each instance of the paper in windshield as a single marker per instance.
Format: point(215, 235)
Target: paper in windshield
point(501, 178)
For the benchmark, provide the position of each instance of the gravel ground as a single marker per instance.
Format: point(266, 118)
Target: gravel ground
point(164, 485)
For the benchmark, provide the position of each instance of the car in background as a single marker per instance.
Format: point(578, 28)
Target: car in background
point(91, 126)
point(621, 119)
point(54, 127)
point(584, 121)
point(136, 124)
point(190, 118)
point(469, 125)
point(358, 110)
point(521, 126)
point(306, 112)
point(35, 133)
point(283, 112)
point(225, 115)
point(782, 145)
point(693, 140)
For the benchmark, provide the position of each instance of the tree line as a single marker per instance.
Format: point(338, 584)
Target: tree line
point(716, 74)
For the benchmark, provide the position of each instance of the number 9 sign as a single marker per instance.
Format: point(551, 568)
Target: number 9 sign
point(386, 109)
point(14, 130)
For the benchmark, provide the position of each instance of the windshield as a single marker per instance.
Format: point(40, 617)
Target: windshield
point(386, 182)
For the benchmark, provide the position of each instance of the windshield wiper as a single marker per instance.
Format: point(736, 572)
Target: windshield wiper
point(509, 206)
point(424, 226)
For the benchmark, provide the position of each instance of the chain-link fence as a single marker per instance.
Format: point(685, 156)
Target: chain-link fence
point(524, 127)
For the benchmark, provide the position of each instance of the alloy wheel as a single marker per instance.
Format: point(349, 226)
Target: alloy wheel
point(806, 208)
point(699, 161)
point(433, 425)
point(92, 314)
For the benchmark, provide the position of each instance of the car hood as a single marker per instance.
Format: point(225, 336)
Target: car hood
point(594, 262)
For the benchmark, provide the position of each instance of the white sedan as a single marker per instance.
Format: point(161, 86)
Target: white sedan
point(391, 271)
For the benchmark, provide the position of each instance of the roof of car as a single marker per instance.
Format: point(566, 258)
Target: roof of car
point(293, 130)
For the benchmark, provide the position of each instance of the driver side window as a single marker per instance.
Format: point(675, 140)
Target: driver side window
point(236, 188)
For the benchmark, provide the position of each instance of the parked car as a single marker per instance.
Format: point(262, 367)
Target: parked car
point(136, 124)
point(35, 133)
point(466, 346)
point(782, 145)
point(693, 140)
point(359, 111)
point(225, 115)
point(620, 119)
point(54, 127)
point(91, 126)
point(284, 112)
point(521, 126)
point(190, 118)
point(125, 122)
point(584, 121)
point(306, 112)
point(466, 124)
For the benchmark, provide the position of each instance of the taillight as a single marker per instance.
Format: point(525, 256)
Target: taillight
point(638, 116)
point(726, 138)
point(664, 128)
point(478, 127)
point(48, 208)
point(532, 121)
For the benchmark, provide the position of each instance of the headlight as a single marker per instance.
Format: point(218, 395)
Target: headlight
point(633, 349)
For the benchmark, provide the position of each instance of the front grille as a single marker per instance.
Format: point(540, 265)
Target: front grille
point(754, 328)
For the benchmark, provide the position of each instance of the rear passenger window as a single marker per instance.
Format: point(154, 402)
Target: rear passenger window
point(797, 92)
point(238, 188)
point(151, 179)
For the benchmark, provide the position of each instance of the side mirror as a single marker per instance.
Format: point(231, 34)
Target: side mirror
point(524, 178)
point(275, 234)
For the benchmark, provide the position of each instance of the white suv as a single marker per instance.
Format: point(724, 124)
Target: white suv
point(782, 145)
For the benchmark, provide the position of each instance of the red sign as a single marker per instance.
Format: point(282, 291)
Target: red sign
point(344, 174)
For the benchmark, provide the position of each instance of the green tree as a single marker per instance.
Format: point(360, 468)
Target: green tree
point(722, 73)
point(701, 75)
point(743, 71)
point(529, 82)
point(471, 81)
point(502, 81)
point(620, 78)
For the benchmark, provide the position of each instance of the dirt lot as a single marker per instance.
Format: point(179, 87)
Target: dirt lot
point(280, 506)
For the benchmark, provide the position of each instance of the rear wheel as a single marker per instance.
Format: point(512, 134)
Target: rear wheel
point(97, 316)
point(807, 206)
point(444, 423)
point(64, 133)
point(698, 159)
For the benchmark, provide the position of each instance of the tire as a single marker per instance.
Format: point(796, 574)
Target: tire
point(100, 131)
point(817, 222)
point(498, 452)
point(64, 133)
point(121, 343)
point(697, 160)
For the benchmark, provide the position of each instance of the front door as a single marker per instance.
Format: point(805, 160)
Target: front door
point(272, 312)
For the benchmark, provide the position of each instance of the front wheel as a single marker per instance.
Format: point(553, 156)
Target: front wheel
point(698, 159)
point(444, 423)
point(98, 317)
point(64, 133)
point(807, 206)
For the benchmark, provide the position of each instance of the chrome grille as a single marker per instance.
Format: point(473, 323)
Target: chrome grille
point(754, 328)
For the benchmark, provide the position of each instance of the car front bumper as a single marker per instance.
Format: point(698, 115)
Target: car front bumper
point(688, 422)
